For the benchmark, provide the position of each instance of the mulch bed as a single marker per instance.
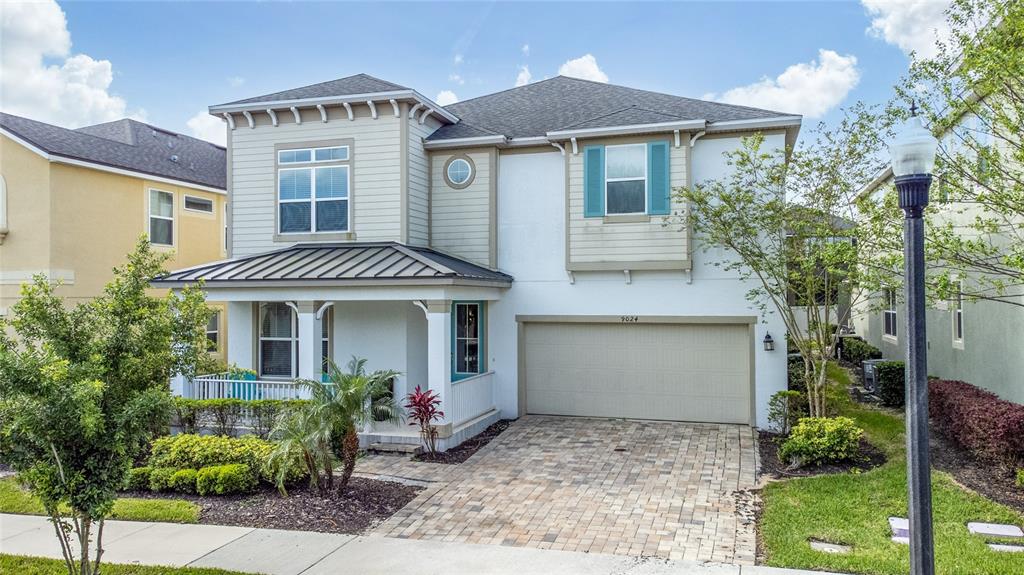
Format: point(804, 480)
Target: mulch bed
point(467, 448)
point(868, 457)
point(365, 504)
point(992, 480)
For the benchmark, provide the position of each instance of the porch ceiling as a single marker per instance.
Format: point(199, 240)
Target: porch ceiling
point(339, 264)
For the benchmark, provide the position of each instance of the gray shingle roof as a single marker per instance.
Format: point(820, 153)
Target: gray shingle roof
point(358, 84)
point(561, 102)
point(129, 145)
point(339, 263)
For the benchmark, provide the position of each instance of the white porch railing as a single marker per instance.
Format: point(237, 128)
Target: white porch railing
point(221, 386)
point(471, 398)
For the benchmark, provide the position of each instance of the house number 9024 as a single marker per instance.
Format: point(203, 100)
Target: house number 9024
point(629, 318)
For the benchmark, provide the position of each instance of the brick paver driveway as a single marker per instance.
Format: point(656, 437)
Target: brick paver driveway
point(598, 485)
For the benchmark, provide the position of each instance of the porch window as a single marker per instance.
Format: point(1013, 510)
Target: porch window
point(279, 346)
point(889, 314)
point(213, 333)
point(325, 340)
point(958, 315)
point(468, 334)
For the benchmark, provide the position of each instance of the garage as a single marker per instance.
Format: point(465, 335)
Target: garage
point(638, 369)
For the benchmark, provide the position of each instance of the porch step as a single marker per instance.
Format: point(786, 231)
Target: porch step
point(409, 448)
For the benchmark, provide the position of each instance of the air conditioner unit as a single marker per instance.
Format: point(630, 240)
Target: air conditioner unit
point(871, 374)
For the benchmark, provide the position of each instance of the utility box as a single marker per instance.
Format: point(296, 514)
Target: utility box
point(871, 374)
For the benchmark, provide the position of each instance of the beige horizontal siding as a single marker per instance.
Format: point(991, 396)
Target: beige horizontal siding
point(460, 220)
point(591, 240)
point(419, 184)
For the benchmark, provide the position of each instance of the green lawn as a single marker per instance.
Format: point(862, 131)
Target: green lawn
point(39, 566)
point(853, 509)
point(14, 499)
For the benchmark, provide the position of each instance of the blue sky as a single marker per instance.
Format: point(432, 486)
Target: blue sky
point(165, 62)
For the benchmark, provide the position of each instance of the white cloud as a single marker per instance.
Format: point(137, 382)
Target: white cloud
point(523, 77)
point(206, 127)
point(525, 49)
point(446, 97)
point(911, 25)
point(457, 59)
point(70, 90)
point(457, 79)
point(584, 67)
point(236, 81)
point(809, 88)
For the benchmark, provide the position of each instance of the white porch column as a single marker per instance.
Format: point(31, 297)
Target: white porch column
point(241, 334)
point(309, 340)
point(439, 353)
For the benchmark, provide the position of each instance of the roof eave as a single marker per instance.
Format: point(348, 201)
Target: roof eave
point(437, 109)
point(683, 125)
point(497, 140)
point(330, 282)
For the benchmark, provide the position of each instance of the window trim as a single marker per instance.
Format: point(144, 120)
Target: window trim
point(327, 319)
point(314, 200)
point(187, 197)
point(312, 154)
point(313, 236)
point(171, 218)
point(645, 178)
point(890, 309)
point(294, 339)
point(958, 316)
point(481, 338)
point(472, 172)
point(216, 343)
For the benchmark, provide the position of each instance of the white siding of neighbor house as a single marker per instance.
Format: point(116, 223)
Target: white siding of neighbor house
point(461, 219)
point(419, 182)
point(376, 173)
point(591, 240)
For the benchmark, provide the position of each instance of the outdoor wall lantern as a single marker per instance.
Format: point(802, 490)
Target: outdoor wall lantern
point(769, 343)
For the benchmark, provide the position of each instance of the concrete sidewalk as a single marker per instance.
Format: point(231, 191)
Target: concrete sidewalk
point(277, 552)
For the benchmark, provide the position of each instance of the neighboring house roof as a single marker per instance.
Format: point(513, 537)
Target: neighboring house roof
point(350, 85)
point(563, 103)
point(128, 145)
point(338, 264)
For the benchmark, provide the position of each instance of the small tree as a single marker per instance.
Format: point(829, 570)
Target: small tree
point(423, 411)
point(83, 389)
point(786, 219)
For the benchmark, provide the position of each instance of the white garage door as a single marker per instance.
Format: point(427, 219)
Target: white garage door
point(694, 372)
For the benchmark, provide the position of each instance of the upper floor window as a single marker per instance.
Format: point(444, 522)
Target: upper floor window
point(314, 198)
point(459, 172)
point(194, 204)
point(161, 218)
point(626, 179)
point(889, 314)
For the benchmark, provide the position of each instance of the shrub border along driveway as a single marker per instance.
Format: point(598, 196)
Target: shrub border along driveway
point(853, 509)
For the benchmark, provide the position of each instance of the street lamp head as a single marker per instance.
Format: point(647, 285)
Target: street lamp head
point(913, 150)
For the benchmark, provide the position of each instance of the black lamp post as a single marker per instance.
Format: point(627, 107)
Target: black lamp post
point(913, 158)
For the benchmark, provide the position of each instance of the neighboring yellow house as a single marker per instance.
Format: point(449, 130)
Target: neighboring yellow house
point(73, 203)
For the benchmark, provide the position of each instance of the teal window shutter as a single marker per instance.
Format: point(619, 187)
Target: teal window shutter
point(593, 181)
point(658, 188)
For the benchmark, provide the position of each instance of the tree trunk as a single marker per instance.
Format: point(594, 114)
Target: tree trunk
point(349, 451)
point(84, 565)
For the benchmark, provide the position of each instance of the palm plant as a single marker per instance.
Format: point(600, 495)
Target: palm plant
point(300, 433)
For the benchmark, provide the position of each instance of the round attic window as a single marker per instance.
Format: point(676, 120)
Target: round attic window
point(459, 172)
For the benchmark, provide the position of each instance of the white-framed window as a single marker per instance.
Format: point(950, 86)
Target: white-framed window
point(468, 329)
point(213, 333)
point(625, 176)
point(325, 339)
point(459, 171)
point(278, 340)
point(958, 315)
point(161, 218)
point(313, 199)
point(889, 314)
point(197, 204)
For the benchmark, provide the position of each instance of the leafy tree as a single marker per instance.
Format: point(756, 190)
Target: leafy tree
point(786, 219)
point(335, 413)
point(83, 389)
point(972, 96)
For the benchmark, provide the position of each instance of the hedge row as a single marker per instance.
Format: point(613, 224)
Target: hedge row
point(223, 416)
point(855, 350)
point(978, 420)
point(188, 451)
point(209, 480)
point(891, 381)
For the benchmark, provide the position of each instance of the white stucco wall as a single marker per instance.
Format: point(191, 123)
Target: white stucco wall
point(390, 335)
point(531, 240)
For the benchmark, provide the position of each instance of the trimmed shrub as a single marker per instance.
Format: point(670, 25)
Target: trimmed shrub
point(978, 420)
point(184, 480)
point(225, 479)
point(795, 372)
point(186, 451)
point(263, 413)
point(785, 409)
point(138, 478)
point(855, 350)
point(160, 478)
point(817, 440)
point(187, 414)
point(891, 383)
point(1020, 478)
point(225, 416)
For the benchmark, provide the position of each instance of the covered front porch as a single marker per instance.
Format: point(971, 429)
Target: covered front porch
point(406, 310)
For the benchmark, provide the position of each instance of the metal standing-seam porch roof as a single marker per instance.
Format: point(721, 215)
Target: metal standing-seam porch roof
point(338, 264)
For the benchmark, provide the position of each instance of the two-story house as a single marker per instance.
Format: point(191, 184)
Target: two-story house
point(73, 204)
point(509, 252)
